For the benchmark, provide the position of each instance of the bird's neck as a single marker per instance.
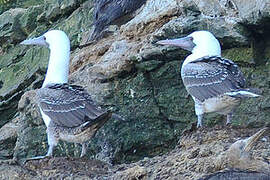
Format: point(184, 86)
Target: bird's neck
point(58, 66)
point(196, 55)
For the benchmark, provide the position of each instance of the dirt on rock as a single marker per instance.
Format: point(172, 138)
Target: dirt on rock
point(199, 154)
point(64, 167)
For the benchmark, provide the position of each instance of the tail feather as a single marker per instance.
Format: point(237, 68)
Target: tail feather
point(99, 121)
point(245, 93)
point(118, 117)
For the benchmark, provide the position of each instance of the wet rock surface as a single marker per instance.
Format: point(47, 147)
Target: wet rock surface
point(129, 74)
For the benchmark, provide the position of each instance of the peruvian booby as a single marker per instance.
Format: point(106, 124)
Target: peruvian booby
point(215, 84)
point(239, 162)
point(239, 155)
point(68, 111)
point(109, 12)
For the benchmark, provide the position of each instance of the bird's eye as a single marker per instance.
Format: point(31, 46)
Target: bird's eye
point(44, 38)
point(191, 38)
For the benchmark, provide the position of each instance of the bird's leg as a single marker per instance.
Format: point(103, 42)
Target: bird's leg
point(52, 142)
point(199, 122)
point(50, 151)
point(49, 154)
point(229, 118)
point(84, 146)
point(199, 113)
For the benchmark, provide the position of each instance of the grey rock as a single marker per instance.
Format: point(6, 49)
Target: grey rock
point(10, 31)
point(252, 12)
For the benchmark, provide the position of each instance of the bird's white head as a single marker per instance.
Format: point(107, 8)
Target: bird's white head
point(50, 39)
point(59, 45)
point(205, 44)
point(200, 43)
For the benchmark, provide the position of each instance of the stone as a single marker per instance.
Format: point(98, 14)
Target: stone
point(28, 21)
point(252, 12)
point(11, 32)
point(78, 22)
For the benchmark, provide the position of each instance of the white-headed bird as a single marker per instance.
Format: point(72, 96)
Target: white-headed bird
point(215, 84)
point(67, 110)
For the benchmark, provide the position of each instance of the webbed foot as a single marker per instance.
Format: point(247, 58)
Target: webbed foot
point(37, 158)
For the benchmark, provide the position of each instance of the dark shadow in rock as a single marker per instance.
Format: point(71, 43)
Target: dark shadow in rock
point(236, 174)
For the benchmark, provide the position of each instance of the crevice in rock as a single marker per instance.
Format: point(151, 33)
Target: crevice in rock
point(9, 102)
point(121, 75)
point(15, 60)
point(19, 88)
point(148, 76)
point(259, 36)
point(1, 84)
point(135, 153)
point(66, 13)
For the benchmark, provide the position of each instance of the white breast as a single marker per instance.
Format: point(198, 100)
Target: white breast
point(46, 118)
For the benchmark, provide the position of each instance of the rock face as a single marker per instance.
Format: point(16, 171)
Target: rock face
point(127, 73)
point(197, 156)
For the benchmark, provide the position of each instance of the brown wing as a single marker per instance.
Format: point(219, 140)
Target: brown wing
point(68, 105)
point(211, 76)
point(109, 12)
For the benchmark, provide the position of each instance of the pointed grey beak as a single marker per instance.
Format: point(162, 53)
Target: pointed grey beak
point(41, 41)
point(185, 43)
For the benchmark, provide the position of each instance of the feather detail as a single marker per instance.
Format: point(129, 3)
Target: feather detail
point(209, 77)
point(68, 105)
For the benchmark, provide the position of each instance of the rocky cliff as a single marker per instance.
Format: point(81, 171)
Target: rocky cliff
point(128, 73)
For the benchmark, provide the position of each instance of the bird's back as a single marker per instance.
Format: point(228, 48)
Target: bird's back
point(210, 77)
point(69, 105)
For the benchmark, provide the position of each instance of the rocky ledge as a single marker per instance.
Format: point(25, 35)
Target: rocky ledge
point(129, 74)
point(206, 154)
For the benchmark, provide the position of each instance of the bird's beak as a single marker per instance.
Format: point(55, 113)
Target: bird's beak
point(36, 41)
point(185, 43)
point(249, 143)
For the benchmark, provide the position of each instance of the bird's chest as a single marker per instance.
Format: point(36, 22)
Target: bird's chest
point(45, 118)
point(77, 138)
point(221, 104)
point(75, 135)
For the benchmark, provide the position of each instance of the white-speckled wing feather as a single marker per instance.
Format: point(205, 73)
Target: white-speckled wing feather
point(68, 105)
point(210, 77)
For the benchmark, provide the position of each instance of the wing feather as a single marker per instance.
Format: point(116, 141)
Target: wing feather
point(209, 77)
point(68, 105)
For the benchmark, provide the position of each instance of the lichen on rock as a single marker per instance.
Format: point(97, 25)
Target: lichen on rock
point(129, 74)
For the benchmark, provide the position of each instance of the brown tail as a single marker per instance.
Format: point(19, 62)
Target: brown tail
point(99, 121)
